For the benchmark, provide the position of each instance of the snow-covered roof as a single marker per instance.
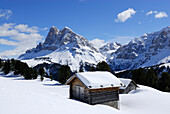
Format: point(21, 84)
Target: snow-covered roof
point(98, 79)
point(126, 82)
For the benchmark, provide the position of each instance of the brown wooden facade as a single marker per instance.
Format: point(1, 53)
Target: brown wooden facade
point(108, 96)
point(131, 86)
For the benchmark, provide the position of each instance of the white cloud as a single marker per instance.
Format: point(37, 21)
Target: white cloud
point(7, 42)
point(44, 28)
point(98, 42)
point(123, 16)
point(6, 30)
point(23, 37)
point(151, 12)
point(5, 13)
point(157, 14)
point(25, 28)
point(161, 15)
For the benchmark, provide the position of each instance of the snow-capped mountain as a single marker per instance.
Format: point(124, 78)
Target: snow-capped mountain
point(64, 47)
point(109, 48)
point(147, 50)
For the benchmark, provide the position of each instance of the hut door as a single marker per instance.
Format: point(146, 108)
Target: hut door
point(79, 92)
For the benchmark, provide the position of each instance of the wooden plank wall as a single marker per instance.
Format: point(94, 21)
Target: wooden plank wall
point(129, 88)
point(94, 96)
point(85, 96)
point(103, 96)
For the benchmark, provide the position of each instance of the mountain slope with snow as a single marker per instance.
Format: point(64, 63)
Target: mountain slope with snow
point(64, 47)
point(109, 48)
point(147, 50)
point(49, 97)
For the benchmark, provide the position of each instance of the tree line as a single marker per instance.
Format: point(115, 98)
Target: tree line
point(151, 78)
point(20, 68)
point(65, 72)
point(101, 66)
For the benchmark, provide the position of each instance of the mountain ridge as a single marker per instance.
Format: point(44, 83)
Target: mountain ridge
point(67, 47)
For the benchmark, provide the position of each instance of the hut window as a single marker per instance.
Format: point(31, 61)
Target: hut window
point(112, 85)
point(101, 85)
point(89, 86)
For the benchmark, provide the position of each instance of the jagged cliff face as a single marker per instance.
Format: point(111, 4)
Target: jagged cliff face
point(52, 36)
point(152, 48)
point(110, 48)
point(59, 39)
point(65, 47)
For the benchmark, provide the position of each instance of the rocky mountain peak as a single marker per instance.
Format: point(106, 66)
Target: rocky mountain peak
point(166, 29)
point(61, 40)
point(67, 47)
point(66, 29)
point(53, 29)
point(52, 35)
point(110, 46)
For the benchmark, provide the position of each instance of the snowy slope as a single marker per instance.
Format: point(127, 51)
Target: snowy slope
point(67, 47)
point(145, 100)
point(147, 50)
point(109, 48)
point(63, 47)
point(21, 96)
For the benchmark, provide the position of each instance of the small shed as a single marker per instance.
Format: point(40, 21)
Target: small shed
point(129, 85)
point(95, 88)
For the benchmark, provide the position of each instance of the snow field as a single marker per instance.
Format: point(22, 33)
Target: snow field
point(19, 96)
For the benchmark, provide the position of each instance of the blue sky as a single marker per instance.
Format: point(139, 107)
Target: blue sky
point(24, 23)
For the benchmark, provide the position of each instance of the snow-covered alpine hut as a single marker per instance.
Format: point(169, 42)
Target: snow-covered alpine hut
point(129, 85)
point(95, 88)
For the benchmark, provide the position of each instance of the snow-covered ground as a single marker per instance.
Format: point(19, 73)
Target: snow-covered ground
point(19, 96)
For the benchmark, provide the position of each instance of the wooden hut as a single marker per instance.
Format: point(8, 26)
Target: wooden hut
point(129, 85)
point(95, 88)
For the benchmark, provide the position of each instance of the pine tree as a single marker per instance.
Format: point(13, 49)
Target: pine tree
point(23, 67)
point(138, 75)
point(28, 73)
point(92, 68)
point(41, 72)
point(167, 89)
point(20, 67)
point(0, 63)
point(64, 73)
point(13, 64)
point(51, 76)
point(151, 78)
point(103, 66)
point(42, 78)
point(81, 66)
point(6, 68)
point(17, 68)
point(34, 74)
point(81, 69)
point(164, 82)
